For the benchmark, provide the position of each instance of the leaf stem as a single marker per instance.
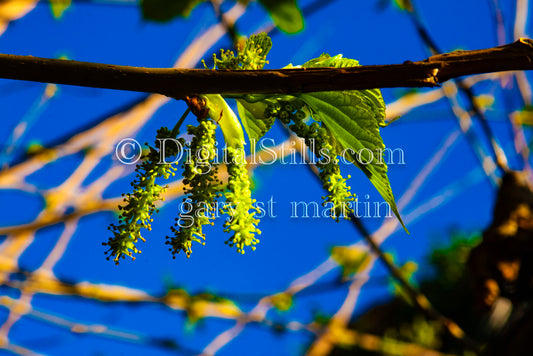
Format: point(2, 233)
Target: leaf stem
point(175, 131)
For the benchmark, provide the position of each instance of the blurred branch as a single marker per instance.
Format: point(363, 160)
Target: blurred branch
point(107, 293)
point(387, 228)
point(344, 337)
point(11, 10)
point(419, 300)
point(423, 32)
point(521, 16)
point(17, 349)
point(517, 131)
point(92, 205)
point(178, 83)
point(230, 27)
point(464, 119)
point(85, 329)
point(497, 15)
point(327, 339)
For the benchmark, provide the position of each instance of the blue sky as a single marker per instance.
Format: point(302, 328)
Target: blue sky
point(289, 247)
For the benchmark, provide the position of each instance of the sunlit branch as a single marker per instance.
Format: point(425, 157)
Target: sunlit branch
point(464, 119)
point(178, 83)
point(113, 293)
point(15, 12)
point(344, 337)
point(99, 330)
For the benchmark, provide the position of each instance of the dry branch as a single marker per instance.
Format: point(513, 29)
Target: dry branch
point(178, 83)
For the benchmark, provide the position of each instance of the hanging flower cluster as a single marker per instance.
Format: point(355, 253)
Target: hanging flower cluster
point(201, 188)
point(319, 140)
point(239, 205)
point(241, 223)
point(136, 212)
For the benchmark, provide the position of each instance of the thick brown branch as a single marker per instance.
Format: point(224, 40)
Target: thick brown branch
point(178, 83)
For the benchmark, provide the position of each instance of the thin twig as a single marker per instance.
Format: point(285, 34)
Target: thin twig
point(499, 155)
point(498, 20)
point(230, 27)
point(464, 119)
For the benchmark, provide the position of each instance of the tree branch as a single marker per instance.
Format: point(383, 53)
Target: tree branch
point(178, 83)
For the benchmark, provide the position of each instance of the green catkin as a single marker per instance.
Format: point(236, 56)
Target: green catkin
point(318, 138)
point(139, 206)
point(241, 223)
point(200, 175)
point(201, 187)
point(239, 205)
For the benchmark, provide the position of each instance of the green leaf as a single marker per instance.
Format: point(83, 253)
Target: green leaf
point(166, 10)
point(286, 14)
point(407, 271)
point(59, 7)
point(253, 119)
point(282, 301)
point(325, 60)
point(354, 117)
point(355, 126)
point(351, 259)
point(403, 4)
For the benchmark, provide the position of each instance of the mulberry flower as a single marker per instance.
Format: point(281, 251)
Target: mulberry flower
point(202, 188)
point(251, 55)
point(139, 206)
point(317, 138)
point(241, 223)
